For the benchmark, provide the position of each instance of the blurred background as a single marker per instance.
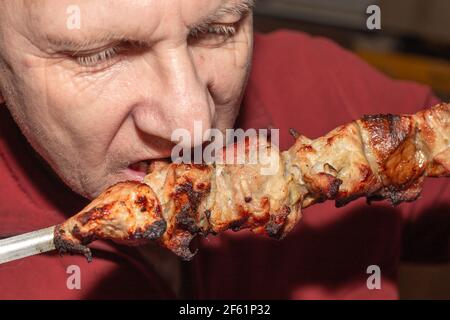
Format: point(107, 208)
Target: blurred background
point(413, 44)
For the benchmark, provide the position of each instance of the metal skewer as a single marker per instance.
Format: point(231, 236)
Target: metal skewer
point(27, 244)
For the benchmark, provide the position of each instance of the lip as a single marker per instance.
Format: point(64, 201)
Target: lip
point(134, 175)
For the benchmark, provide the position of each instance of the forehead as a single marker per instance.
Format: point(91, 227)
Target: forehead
point(43, 10)
point(56, 18)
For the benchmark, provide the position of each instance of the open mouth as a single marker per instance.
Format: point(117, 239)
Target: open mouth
point(141, 166)
point(138, 170)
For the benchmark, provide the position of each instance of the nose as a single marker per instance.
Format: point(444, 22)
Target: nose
point(175, 97)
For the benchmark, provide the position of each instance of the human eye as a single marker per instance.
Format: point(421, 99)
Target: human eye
point(96, 59)
point(105, 57)
point(220, 29)
point(214, 34)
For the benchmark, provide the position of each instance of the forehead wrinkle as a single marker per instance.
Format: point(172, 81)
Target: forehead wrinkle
point(20, 10)
point(47, 32)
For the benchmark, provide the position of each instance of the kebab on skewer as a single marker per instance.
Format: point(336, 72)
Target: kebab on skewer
point(377, 157)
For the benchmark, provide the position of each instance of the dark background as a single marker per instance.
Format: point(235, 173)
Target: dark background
point(413, 44)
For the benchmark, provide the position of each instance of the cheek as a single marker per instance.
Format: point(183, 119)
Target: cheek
point(87, 109)
point(227, 67)
point(69, 115)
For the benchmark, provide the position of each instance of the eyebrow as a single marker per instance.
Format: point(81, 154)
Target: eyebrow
point(63, 44)
point(239, 8)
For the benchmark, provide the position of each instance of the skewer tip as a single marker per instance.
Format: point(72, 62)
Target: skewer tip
point(294, 133)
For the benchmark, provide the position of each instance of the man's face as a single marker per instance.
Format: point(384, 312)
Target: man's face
point(97, 87)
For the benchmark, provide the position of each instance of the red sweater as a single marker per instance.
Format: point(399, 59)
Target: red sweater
point(297, 81)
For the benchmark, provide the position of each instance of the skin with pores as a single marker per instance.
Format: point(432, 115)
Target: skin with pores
point(93, 101)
